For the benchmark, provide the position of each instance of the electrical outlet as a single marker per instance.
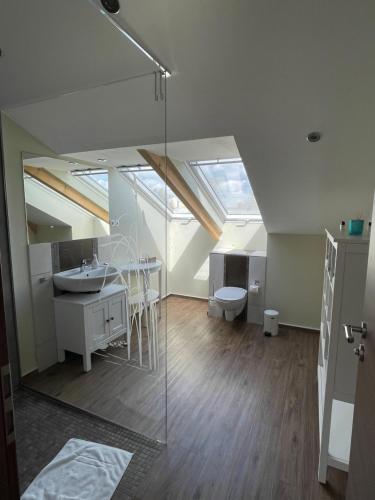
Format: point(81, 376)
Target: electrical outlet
point(115, 222)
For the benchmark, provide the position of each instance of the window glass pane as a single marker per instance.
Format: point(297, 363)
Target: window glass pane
point(99, 180)
point(231, 185)
point(151, 180)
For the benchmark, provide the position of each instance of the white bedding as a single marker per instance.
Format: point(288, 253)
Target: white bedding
point(81, 470)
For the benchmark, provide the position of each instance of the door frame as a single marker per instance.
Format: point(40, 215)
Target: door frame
point(9, 361)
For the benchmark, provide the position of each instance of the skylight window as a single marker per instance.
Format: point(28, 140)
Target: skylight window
point(100, 180)
point(96, 177)
point(153, 186)
point(229, 184)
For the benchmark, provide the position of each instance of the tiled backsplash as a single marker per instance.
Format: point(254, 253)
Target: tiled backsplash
point(69, 254)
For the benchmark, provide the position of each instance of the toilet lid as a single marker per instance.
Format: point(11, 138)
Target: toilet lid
point(230, 293)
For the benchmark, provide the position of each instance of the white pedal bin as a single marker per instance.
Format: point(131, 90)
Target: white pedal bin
point(271, 322)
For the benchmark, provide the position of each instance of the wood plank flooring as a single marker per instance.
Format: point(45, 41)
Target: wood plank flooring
point(242, 409)
point(242, 413)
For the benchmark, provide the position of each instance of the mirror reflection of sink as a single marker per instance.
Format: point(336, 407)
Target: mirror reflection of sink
point(89, 280)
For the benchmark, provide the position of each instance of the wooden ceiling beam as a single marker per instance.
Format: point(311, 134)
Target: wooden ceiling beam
point(45, 177)
point(168, 171)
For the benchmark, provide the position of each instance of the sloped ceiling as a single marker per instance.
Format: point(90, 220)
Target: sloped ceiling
point(265, 72)
point(55, 46)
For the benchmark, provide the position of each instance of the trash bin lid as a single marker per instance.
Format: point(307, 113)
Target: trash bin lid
point(271, 312)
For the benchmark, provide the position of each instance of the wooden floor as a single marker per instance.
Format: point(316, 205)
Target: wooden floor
point(242, 409)
point(242, 413)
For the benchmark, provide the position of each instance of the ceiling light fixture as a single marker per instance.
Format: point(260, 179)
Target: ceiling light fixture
point(314, 137)
point(110, 9)
point(112, 6)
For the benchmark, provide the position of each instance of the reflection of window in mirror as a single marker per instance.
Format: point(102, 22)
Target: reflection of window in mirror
point(64, 200)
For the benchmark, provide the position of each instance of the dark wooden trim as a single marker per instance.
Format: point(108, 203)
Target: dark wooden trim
point(8, 460)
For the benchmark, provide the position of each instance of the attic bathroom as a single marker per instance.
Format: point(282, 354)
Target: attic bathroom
point(164, 254)
point(141, 269)
point(108, 241)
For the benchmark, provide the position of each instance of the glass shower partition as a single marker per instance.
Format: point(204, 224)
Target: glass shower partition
point(99, 328)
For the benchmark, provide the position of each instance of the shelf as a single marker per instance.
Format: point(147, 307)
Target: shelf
point(340, 435)
point(337, 367)
point(343, 237)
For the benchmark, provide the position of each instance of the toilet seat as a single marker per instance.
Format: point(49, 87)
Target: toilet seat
point(230, 294)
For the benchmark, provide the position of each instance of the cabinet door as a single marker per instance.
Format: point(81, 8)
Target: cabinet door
point(98, 325)
point(117, 315)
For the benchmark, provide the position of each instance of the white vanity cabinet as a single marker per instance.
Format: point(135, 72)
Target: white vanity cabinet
point(343, 296)
point(86, 322)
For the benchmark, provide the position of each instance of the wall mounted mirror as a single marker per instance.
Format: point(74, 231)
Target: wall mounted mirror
point(65, 200)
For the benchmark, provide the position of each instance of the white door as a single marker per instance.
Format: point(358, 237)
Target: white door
point(117, 315)
point(98, 325)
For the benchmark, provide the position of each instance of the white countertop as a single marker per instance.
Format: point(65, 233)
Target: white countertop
point(90, 298)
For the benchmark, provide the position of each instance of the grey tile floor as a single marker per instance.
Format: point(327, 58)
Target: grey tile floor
point(43, 426)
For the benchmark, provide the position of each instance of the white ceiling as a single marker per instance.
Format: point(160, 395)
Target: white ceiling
point(266, 73)
point(55, 46)
point(200, 149)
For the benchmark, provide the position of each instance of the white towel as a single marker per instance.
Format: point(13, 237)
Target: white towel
point(81, 470)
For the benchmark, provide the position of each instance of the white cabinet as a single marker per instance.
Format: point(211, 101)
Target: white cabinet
point(44, 320)
point(42, 297)
point(257, 276)
point(86, 322)
point(343, 296)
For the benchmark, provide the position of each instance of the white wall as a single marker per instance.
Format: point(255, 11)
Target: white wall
point(295, 277)
point(15, 141)
point(45, 234)
point(189, 246)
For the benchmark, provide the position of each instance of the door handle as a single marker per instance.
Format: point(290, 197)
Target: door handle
point(360, 352)
point(350, 330)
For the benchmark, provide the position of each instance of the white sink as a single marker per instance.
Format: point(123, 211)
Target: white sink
point(89, 280)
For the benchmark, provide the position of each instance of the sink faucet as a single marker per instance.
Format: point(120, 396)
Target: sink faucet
point(83, 264)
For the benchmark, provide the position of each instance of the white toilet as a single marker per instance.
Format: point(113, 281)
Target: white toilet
point(231, 300)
